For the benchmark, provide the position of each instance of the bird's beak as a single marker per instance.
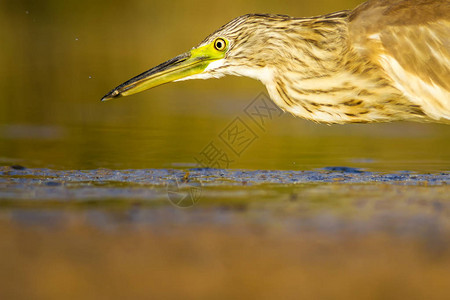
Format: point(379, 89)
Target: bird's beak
point(190, 63)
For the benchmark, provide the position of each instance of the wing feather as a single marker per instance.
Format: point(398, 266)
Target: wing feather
point(410, 40)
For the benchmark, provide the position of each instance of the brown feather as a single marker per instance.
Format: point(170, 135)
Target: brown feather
point(410, 40)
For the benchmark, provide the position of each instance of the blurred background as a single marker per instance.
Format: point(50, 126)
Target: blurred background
point(58, 58)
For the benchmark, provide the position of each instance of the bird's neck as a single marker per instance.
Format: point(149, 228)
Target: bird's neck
point(327, 81)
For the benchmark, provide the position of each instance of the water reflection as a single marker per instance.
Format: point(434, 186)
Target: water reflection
point(289, 144)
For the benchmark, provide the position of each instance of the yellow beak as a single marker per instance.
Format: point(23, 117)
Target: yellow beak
point(190, 63)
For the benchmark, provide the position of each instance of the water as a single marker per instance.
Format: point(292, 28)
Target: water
point(287, 144)
point(208, 224)
point(114, 190)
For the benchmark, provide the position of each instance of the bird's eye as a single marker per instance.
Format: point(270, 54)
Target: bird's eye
point(220, 44)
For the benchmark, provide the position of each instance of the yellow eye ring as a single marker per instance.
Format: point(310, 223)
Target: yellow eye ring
point(220, 44)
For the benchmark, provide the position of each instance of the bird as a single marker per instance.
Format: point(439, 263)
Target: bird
point(385, 60)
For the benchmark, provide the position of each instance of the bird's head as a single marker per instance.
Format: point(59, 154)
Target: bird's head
point(237, 48)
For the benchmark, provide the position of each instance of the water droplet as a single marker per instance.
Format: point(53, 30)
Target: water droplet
point(76, 39)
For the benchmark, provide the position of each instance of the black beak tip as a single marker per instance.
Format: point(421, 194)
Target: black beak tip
point(111, 95)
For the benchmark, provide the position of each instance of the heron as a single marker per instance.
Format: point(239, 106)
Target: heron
point(385, 60)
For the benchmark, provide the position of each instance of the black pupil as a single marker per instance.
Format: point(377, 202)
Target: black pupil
point(219, 45)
